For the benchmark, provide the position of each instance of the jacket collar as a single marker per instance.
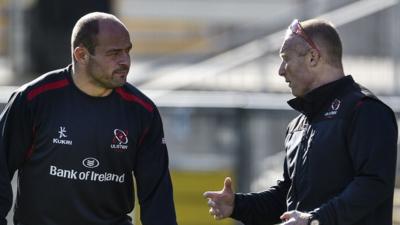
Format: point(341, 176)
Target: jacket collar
point(312, 102)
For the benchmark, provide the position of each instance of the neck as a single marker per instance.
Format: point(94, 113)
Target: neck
point(88, 85)
point(327, 75)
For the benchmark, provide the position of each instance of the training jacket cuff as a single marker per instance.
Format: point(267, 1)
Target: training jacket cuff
point(239, 207)
point(316, 213)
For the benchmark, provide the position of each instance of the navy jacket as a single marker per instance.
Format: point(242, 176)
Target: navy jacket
point(340, 161)
point(75, 155)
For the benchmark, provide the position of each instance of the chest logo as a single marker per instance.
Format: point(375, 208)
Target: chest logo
point(120, 140)
point(62, 135)
point(90, 163)
point(62, 132)
point(333, 110)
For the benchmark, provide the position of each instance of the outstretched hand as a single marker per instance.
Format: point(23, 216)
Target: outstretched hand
point(295, 218)
point(221, 202)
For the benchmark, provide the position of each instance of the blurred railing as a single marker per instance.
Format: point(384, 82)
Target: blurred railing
point(211, 135)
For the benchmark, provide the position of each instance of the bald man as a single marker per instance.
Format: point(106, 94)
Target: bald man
point(340, 159)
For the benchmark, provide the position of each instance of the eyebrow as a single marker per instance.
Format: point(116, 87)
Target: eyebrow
point(120, 49)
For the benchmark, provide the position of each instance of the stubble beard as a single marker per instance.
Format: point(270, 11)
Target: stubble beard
point(102, 79)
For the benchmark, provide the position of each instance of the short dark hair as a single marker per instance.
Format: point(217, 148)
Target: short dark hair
point(326, 36)
point(86, 30)
point(84, 33)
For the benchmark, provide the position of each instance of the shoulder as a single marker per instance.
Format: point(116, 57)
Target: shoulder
point(366, 100)
point(49, 81)
point(133, 95)
point(369, 110)
point(355, 95)
point(373, 107)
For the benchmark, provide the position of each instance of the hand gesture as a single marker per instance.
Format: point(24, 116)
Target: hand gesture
point(295, 218)
point(221, 202)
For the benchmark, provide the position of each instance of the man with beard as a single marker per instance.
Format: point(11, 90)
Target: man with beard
point(76, 136)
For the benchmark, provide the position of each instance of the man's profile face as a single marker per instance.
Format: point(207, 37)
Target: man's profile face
point(294, 66)
point(110, 63)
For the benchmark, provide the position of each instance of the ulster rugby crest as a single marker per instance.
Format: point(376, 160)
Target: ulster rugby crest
point(120, 140)
point(333, 108)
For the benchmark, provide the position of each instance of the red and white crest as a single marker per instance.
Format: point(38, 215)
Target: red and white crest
point(121, 137)
point(333, 109)
point(336, 104)
point(120, 140)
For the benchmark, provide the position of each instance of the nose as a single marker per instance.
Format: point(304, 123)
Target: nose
point(125, 59)
point(282, 70)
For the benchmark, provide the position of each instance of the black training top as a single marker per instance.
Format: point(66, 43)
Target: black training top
point(340, 161)
point(75, 155)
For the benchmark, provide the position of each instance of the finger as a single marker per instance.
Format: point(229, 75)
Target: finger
point(211, 203)
point(211, 194)
point(291, 221)
point(212, 211)
point(227, 185)
point(287, 215)
point(218, 217)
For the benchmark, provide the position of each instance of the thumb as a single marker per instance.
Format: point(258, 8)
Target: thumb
point(227, 186)
point(214, 194)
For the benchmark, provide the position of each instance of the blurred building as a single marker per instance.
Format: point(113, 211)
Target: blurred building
point(49, 26)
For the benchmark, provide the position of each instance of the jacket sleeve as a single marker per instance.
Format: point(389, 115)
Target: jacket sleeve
point(154, 186)
point(15, 140)
point(372, 144)
point(265, 207)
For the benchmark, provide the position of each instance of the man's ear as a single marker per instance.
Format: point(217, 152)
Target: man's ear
point(314, 57)
point(81, 55)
